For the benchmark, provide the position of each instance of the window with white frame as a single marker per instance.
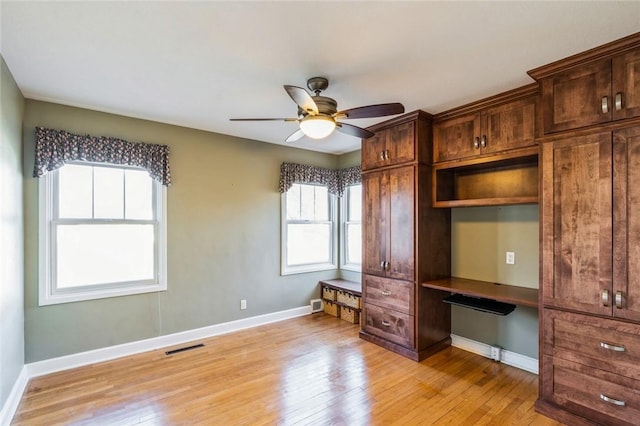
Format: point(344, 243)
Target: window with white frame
point(308, 229)
point(351, 241)
point(102, 233)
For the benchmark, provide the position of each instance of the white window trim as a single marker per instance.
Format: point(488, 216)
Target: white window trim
point(344, 215)
point(47, 292)
point(310, 267)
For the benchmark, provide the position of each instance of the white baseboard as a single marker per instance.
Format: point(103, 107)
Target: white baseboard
point(53, 365)
point(513, 359)
point(11, 404)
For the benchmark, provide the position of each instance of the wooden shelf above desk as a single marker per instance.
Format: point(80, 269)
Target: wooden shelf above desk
point(500, 292)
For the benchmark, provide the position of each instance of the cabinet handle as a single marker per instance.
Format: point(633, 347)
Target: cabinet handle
point(382, 155)
point(382, 265)
point(476, 142)
point(605, 297)
point(612, 347)
point(618, 101)
point(619, 299)
point(386, 293)
point(386, 154)
point(387, 324)
point(386, 266)
point(612, 400)
point(483, 141)
point(605, 104)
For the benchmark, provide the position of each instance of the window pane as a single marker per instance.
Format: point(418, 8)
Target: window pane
point(99, 254)
point(75, 192)
point(108, 193)
point(138, 195)
point(355, 203)
point(308, 243)
point(293, 202)
point(307, 202)
point(321, 207)
point(354, 243)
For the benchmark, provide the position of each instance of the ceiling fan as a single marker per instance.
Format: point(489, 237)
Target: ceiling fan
point(318, 115)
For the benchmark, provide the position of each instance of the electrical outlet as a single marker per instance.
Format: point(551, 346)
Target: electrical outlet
point(496, 353)
point(511, 258)
point(243, 304)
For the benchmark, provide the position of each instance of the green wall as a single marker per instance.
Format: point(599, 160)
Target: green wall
point(11, 232)
point(480, 236)
point(223, 229)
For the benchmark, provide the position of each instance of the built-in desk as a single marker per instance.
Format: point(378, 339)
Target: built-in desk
point(488, 292)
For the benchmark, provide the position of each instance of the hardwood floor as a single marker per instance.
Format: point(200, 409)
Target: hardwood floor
point(312, 370)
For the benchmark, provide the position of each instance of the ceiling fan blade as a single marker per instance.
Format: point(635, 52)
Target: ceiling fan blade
point(263, 119)
point(354, 130)
point(302, 98)
point(295, 136)
point(369, 111)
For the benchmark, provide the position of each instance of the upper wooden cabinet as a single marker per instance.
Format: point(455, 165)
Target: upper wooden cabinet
point(595, 87)
point(501, 123)
point(395, 142)
point(591, 224)
point(389, 223)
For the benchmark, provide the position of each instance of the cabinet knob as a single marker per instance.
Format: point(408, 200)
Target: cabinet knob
point(382, 155)
point(618, 101)
point(386, 323)
point(612, 400)
point(619, 300)
point(382, 265)
point(476, 142)
point(483, 141)
point(605, 104)
point(386, 154)
point(605, 298)
point(614, 348)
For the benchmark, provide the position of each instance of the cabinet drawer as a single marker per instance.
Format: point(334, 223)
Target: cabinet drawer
point(606, 398)
point(596, 342)
point(389, 293)
point(391, 325)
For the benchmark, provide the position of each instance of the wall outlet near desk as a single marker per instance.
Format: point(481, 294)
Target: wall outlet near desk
point(496, 352)
point(511, 258)
point(243, 304)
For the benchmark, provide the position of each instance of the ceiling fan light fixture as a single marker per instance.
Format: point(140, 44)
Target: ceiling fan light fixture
point(317, 126)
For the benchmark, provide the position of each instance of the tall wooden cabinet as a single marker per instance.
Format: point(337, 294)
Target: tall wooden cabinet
point(405, 241)
point(590, 238)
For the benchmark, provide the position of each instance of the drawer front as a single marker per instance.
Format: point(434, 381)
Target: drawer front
point(606, 398)
point(391, 325)
point(596, 342)
point(389, 293)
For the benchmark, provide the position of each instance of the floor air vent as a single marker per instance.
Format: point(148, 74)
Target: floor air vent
point(186, 348)
point(316, 305)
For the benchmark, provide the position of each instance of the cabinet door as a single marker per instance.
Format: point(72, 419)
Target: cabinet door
point(373, 150)
point(573, 98)
point(454, 139)
point(626, 219)
point(375, 222)
point(576, 226)
point(400, 143)
point(401, 251)
point(626, 85)
point(509, 126)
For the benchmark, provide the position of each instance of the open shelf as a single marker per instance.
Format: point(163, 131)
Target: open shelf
point(500, 292)
point(495, 180)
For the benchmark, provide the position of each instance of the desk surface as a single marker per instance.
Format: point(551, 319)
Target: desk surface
point(501, 292)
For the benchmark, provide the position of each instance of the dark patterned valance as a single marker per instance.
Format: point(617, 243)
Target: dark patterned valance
point(335, 180)
point(54, 148)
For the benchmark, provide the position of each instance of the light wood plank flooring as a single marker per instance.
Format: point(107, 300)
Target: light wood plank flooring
point(312, 370)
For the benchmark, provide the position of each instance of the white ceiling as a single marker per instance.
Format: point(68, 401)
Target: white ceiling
point(197, 64)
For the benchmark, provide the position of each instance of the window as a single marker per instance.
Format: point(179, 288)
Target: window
point(308, 229)
point(102, 233)
point(351, 243)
